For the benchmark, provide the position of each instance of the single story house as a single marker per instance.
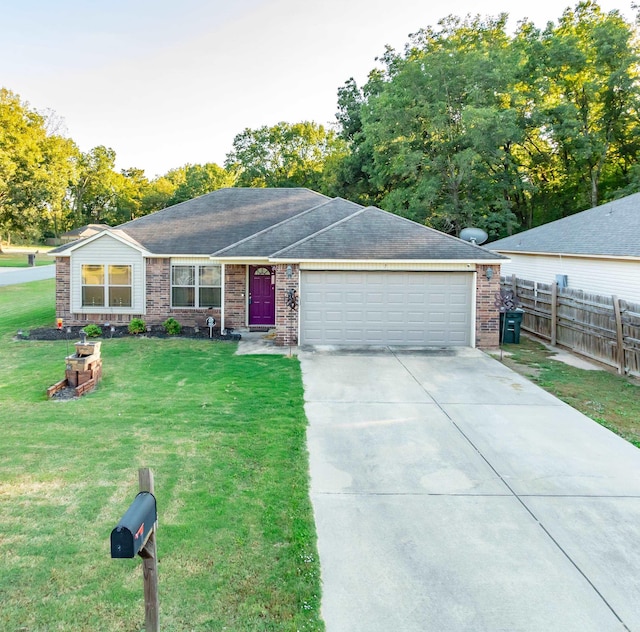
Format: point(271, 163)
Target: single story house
point(597, 250)
point(320, 271)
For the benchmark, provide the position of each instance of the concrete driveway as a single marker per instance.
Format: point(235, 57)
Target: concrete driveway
point(452, 494)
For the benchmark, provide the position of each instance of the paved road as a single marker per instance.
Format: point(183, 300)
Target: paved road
point(11, 276)
point(452, 494)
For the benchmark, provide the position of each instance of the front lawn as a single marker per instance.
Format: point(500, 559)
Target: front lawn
point(610, 399)
point(18, 257)
point(225, 438)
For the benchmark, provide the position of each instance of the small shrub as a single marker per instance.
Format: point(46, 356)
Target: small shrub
point(172, 326)
point(92, 331)
point(137, 326)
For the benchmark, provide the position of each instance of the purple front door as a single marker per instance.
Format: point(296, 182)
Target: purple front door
point(262, 295)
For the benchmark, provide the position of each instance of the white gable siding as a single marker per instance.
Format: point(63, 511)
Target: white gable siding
point(107, 250)
point(599, 276)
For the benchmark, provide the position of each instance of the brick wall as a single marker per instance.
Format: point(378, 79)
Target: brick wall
point(159, 299)
point(286, 318)
point(158, 274)
point(235, 289)
point(63, 289)
point(487, 314)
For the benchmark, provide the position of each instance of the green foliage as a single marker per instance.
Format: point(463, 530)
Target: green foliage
point(92, 330)
point(35, 169)
point(284, 155)
point(95, 191)
point(172, 326)
point(610, 399)
point(199, 180)
point(137, 326)
point(471, 124)
point(475, 126)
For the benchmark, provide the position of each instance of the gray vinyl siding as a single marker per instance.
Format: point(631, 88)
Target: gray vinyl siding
point(107, 250)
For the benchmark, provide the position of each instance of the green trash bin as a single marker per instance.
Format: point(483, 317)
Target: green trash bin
point(510, 323)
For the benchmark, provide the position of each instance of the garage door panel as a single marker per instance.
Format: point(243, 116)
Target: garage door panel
point(386, 308)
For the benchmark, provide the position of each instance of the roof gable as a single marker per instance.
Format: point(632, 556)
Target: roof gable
point(612, 229)
point(113, 233)
point(372, 233)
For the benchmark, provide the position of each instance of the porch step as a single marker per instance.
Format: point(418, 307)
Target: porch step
point(260, 329)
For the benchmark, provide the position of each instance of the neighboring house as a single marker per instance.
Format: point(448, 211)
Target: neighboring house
point(82, 232)
point(357, 276)
point(597, 250)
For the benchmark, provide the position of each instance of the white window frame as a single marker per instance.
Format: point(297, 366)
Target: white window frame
point(196, 285)
point(106, 285)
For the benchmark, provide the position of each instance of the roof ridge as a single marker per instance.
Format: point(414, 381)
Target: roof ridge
point(322, 230)
point(270, 228)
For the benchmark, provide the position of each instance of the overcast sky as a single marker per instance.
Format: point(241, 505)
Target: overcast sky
point(165, 83)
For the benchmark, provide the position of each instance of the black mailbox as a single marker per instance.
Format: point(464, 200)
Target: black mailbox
point(135, 526)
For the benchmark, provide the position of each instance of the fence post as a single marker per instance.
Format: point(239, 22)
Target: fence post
point(554, 314)
point(619, 337)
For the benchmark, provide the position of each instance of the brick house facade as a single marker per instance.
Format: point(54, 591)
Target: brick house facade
point(228, 240)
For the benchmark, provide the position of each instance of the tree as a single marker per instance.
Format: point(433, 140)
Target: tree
point(157, 195)
point(132, 188)
point(588, 96)
point(197, 180)
point(284, 155)
point(471, 125)
point(95, 190)
point(35, 168)
point(437, 131)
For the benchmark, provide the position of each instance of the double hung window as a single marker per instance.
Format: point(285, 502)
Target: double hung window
point(195, 286)
point(104, 285)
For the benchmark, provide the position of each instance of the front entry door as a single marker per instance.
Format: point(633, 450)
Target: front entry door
point(262, 295)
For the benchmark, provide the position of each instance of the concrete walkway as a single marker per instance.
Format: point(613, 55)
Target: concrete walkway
point(13, 276)
point(452, 494)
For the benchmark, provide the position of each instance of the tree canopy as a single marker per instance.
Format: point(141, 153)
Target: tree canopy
point(472, 124)
point(284, 155)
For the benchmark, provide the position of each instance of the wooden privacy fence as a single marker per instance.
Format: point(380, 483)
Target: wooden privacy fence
point(603, 328)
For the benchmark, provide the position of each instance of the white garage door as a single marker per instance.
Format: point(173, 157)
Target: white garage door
point(386, 308)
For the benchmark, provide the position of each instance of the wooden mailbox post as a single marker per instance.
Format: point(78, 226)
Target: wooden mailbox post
point(136, 534)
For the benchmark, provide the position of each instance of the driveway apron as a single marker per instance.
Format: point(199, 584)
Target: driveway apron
point(450, 493)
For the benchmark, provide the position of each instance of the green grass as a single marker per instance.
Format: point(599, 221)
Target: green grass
point(610, 399)
point(15, 258)
point(225, 438)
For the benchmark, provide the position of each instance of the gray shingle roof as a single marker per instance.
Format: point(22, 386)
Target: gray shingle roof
point(372, 233)
point(213, 221)
point(610, 229)
point(288, 224)
point(291, 230)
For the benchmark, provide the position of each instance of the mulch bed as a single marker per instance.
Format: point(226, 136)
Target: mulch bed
point(51, 333)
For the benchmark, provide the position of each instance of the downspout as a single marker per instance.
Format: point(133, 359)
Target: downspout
point(223, 274)
point(474, 307)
